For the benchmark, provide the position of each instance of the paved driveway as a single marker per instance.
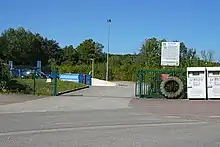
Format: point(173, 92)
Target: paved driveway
point(88, 99)
point(123, 90)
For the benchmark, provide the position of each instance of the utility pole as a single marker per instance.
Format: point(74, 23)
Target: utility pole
point(107, 68)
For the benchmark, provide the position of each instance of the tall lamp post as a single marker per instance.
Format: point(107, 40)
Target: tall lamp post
point(109, 27)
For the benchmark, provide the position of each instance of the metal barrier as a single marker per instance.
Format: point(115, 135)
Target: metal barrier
point(161, 83)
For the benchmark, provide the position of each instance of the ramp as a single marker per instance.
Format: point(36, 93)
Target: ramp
point(120, 90)
point(98, 82)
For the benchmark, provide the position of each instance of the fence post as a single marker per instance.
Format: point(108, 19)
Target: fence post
point(140, 84)
point(136, 84)
point(34, 81)
point(55, 82)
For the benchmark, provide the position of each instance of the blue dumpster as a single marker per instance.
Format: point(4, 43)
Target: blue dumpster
point(88, 80)
point(78, 78)
point(70, 77)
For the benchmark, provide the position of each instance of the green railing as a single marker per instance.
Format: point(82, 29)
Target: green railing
point(148, 82)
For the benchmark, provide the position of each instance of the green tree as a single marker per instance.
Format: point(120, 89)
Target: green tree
point(53, 51)
point(3, 48)
point(89, 49)
point(18, 44)
point(151, 52)
point(70, 55)
point(207, 55)
point(25, 48)
point(4, 75)
point(188, 56)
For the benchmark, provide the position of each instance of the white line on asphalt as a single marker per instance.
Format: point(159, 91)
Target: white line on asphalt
point(95, 127)
point(172, 116)
point(52, 116)
point(214, 116)
point(67, 123)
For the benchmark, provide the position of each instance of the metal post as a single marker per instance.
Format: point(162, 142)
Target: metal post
point(136, 84)
point(34, 81)
point(140, 84)
point(107, 68)
point(55, 83)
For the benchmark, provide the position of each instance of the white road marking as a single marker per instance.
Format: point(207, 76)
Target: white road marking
point(214, 116)
point(172, 116)
point(95, 127)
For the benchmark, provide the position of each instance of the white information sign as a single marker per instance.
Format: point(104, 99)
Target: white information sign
point(170, 53)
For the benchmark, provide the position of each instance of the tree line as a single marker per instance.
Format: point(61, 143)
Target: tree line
point(24, 47)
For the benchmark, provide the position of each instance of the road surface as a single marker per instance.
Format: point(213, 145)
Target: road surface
point(132, 124)
point(16, 98)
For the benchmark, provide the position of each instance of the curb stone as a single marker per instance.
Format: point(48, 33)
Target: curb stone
point(72, 90)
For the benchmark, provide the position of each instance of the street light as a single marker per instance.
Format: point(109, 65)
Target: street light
point(92, 68)
point(109, 27)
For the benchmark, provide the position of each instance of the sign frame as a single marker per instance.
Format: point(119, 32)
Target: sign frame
point(170, 50)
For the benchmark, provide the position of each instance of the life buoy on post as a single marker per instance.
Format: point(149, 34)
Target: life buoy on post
point(171, 87)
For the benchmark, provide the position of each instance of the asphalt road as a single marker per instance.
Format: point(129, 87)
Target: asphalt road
point(16, 98)
point(108, 128)
point(137, 125)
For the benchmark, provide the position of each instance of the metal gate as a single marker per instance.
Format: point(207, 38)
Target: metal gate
point(150, 82)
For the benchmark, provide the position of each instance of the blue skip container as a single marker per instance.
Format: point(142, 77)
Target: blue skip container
point(78, 78)
point(70, 77)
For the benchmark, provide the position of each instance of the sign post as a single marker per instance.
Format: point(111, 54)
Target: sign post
point(170, 53)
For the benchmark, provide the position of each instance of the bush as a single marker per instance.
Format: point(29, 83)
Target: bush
point(4, 75)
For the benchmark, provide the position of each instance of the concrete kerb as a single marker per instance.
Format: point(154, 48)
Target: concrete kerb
point(72, 90)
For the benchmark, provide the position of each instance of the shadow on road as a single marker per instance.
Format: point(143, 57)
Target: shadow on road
point(98, 96)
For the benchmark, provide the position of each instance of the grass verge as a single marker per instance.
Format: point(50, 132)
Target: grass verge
point(26, 86)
